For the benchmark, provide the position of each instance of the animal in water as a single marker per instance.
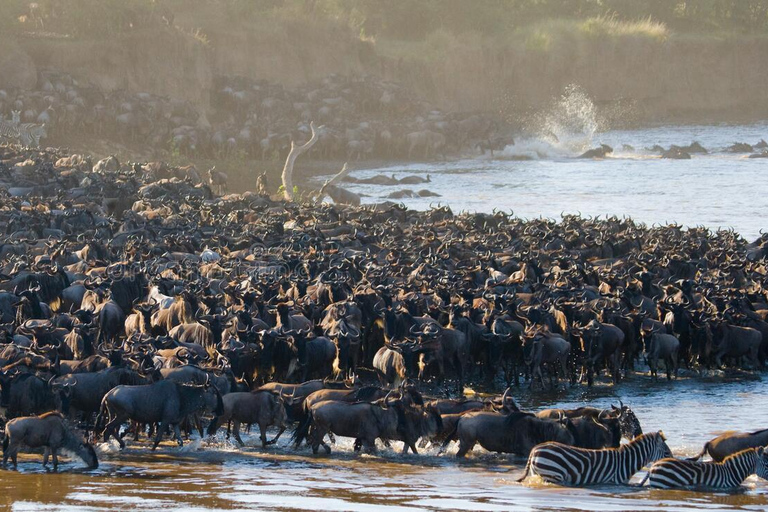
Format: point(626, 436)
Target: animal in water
point(49, 431)
point(731, 442)
point(567, 465)
point(728, 474)
point(599, 152)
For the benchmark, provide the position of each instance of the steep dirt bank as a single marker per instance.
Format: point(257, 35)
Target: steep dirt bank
point(678, 80)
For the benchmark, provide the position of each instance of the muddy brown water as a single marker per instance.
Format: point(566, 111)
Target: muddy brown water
point(210, 475)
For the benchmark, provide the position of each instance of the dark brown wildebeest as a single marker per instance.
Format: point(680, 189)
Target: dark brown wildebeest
point(49, 431)
point(264, 408)
point(517, 432)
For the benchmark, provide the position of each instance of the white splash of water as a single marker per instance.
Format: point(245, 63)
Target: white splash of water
point(565, 129)
point(111, 447)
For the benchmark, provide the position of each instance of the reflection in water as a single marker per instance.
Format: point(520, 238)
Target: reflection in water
point(219, 476)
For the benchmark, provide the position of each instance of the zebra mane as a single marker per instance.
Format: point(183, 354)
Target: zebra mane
point(639, 439)
point(738, 454)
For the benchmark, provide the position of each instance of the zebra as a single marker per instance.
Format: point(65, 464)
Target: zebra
point(10, 129)
point(728, 474)
point(568, 465)
point(30, 133)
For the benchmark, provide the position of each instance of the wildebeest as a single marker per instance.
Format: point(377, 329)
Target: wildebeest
point(731, 442)
point(659, 345)
point(517, 432)
point(264, 408)
point(49, 431)
point(386, 419)
point(166, 403)
point(27, 394)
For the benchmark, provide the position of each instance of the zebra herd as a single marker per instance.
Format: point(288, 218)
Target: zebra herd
point(27, 134)
point(567, 465)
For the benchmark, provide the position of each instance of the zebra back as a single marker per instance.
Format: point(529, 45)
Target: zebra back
point(728, 474)
point(8, 130)
point(568, 465)
point(30, 133)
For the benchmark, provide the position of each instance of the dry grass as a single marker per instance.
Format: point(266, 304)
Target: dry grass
point(611, 26)
point(543, 37)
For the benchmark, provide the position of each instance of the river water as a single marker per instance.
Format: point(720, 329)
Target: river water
point(720, 189)
point(218, 475)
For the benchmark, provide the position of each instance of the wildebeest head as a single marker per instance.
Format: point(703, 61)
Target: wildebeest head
point(628, 422)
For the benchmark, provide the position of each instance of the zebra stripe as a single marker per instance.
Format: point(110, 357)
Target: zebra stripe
point(728, 474)
point(30, 133)
point(8, 130)
point(567, 465)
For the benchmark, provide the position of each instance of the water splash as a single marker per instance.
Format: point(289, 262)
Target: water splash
point(565, 129)
point(572, 122)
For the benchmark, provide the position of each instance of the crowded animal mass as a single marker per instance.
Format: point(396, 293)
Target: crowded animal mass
point(136, 304)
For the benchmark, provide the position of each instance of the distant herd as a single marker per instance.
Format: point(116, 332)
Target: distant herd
point(133, 295)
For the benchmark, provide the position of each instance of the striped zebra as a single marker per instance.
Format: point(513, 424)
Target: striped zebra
point(567, 465)
point(728, 474)
point(31, 133)
point(10, 129)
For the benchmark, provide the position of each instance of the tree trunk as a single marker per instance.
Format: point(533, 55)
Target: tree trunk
point(292, 156)
point(331, 182)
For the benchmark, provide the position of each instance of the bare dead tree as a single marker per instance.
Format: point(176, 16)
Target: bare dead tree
point(331, 182)
point(292, 156)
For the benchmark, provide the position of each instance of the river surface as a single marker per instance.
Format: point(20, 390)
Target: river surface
point(218, 475)
point(716, 190)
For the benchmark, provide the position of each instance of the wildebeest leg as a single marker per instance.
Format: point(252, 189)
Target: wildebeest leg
point(236, 431)
point(12, 452)
point(159, 434)
point(263, 434)
point(358, 444)
point(369, 445)
point(177, 434)
point(279, 433)
point(55, 458)
point(113, 429)
point(46, 454)
point(464, 447)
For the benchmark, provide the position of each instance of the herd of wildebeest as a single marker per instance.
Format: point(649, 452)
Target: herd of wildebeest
point(364, 118)
point(134, 301)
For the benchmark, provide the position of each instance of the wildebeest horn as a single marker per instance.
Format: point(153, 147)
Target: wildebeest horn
point(504, 396)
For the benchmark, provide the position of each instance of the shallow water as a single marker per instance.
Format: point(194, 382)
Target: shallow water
point(716, 190)
point(218, 475)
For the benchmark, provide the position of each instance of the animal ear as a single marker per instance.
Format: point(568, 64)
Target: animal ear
point(760, 451)
point(661, 434)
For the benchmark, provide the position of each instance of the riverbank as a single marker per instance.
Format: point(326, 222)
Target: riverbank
point(635, 78)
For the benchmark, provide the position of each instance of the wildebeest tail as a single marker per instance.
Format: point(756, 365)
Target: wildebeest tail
point(450, 436)
point(302, 430)
point(700, 455)
point(103, 416)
